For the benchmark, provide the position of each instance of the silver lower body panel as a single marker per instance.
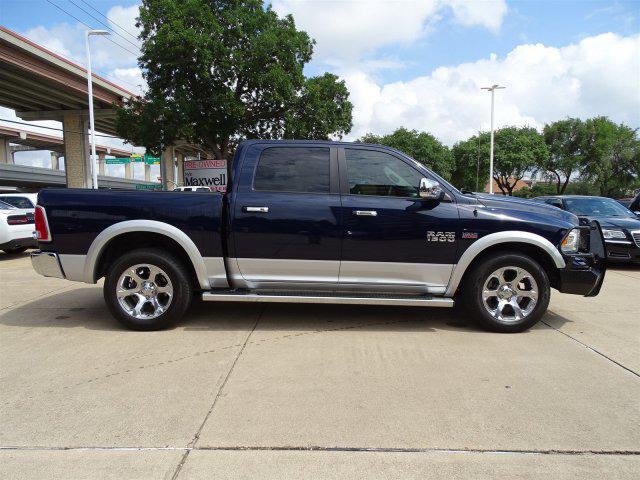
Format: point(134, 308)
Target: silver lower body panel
point(306, 297)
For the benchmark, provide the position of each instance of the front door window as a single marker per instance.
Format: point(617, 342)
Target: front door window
point(380, 174)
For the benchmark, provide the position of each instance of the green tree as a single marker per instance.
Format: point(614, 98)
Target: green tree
point(421, 146)
point(471, 163)
point(564, 140)
point(517, 150)
point(219, 71)
point(321, 110)
point(610, 156)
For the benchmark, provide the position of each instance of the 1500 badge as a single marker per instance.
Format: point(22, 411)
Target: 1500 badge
point(441, 236)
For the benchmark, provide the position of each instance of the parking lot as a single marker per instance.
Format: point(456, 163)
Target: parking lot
point(299, 391)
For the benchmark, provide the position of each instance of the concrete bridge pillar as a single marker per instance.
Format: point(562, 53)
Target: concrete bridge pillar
point(101, 164)
point(128, 173)
point(147, 173)
point(55, 160)
point(6, 156)
point(76, 151)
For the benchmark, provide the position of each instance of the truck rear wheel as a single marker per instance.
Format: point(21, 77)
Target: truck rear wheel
point(507, 293)
point(147, 289)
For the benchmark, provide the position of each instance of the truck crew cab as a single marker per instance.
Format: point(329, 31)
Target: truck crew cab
point(319, 222)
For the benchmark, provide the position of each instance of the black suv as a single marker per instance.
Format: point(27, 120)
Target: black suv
point(620, 226)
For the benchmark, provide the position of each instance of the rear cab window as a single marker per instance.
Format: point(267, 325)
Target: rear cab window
point(18, 202)
point(293, 169)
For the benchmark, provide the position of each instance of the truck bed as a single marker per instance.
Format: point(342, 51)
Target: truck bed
point(77, 216)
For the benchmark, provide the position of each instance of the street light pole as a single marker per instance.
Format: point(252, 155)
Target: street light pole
point(492, 89)
point(94, 167)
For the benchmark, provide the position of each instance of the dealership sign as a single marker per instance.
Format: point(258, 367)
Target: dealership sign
point(206, 173)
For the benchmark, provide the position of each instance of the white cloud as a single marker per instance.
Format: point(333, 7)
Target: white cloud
point(347, 29)
point(600, 75)
point(488, 14)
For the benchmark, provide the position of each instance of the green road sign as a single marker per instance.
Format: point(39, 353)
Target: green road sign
point(146, 186)
point(117, 161)
point(136, 157)
point(149, 160)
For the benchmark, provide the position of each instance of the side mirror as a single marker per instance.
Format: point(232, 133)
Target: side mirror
point(431, 190)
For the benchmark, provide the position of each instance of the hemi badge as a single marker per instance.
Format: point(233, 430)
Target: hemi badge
point(470, 235)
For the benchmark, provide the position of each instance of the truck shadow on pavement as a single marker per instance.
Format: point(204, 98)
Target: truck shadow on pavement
point(4, 256)
point(84, 308)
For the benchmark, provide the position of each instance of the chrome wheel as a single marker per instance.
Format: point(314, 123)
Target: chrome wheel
point(144, 291)
point(510, 294)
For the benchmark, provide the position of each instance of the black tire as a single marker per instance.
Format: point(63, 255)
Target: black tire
point(178, 276)
point(472, 292)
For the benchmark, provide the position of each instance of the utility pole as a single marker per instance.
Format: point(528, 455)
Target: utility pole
point(478, 162)
point(492, 89)
point(94, 167)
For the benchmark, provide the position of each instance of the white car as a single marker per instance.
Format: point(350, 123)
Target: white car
point(16, 228)
point(192, 189)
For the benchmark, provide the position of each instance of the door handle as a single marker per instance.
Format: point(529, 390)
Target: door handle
point(365, 213)
point(256, 209)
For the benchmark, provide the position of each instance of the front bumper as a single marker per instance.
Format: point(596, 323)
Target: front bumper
point(47, 264)
point(623, 251)
point(584, 272)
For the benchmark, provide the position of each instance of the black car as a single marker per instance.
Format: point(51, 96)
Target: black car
point(620, 226)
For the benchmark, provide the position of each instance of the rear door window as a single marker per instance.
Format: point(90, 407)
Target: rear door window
point(293, 169)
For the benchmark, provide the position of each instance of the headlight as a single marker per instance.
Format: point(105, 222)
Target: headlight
point(610, 234)
point(571, 241)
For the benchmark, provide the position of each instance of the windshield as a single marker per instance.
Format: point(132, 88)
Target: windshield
point(596, 207)
point(6, 206)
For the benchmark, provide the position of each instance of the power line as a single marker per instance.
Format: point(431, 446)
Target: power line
point(89, 26)
point(104, 24)
point(109, 19)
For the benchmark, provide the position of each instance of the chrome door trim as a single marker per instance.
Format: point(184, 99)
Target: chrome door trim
point(257, 273)
point(429, 277)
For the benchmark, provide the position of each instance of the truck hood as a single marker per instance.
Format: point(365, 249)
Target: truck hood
point(526, 206)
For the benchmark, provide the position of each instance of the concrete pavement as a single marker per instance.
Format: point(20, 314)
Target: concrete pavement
point(292, 391)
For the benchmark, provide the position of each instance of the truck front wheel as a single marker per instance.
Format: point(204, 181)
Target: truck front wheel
point(147, 289)
point(507, 293)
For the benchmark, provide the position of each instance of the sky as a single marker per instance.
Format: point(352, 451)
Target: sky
point(413, 63)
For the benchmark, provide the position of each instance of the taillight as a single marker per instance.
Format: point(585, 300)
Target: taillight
point(17, 220)
point(42, 226)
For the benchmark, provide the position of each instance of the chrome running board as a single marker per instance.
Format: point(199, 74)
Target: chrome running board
point(316, 297)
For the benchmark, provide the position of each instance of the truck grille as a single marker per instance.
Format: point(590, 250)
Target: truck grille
point(636, 237)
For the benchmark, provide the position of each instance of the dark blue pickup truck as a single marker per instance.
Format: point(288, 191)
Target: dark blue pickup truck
point(319, 222)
